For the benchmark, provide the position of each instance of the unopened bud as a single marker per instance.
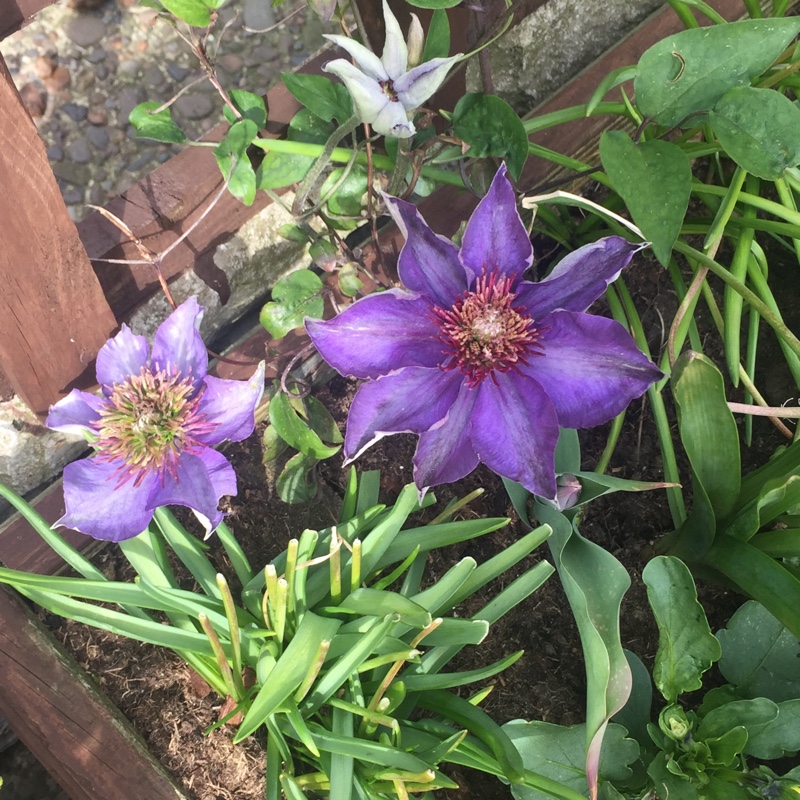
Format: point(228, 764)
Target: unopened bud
point(568, 490)
point(416, 42)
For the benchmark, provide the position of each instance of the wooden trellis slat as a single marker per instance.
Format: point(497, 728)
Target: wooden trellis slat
point(53, 315)
point(15, 13)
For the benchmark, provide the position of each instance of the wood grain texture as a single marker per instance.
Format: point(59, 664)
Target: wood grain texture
point(16, 13)
point(53, 316)
point(85, 743)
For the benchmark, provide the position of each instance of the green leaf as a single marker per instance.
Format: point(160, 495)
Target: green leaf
point(759, 129)
point(294, 297)
point(559, 753)
point(759, 655)
point(691, 70)
point(249, 105)
point(776, 497)
point(193, 12)
point(287, 675)
point(233, 160)
point(296, 483)
point(708, 430)
point(778, 738)
point(328, 100)
point(282, 169)
point(634, 169)
point(667, 783)
point(155, 126)
point(636, 713)
point(437, 42)
point(349, 283)
point(296, 431)
point(380, 603)
point(306, 126)
point(346, 202)
point(450, 680)
point(491, 128)
point(595, 583)
point(686, 646)
point(273, 444)
point(744, 713)
point(436, 4)
point(320, 420)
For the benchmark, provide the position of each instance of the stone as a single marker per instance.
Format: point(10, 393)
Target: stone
point(194, 105)
point(97, 55)
point(258, 14)
point(74, 111)
point(71, 172)
point(127, 99)
point(177, 72)
point(230, 62)
point(34, 98)
point(59, 80)
point(97, 116)
point(102, 71)
point(79, 151)
point(73, 196)
point(141, 162)
point(128, 68)
point(98, 137)
point(154, 77)
point(55, 153)
point(85, 29)
point(44, 66)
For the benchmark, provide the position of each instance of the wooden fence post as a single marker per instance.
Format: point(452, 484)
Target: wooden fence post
point(53, 315)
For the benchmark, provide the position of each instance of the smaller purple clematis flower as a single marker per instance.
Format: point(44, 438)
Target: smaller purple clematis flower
point(153, 428)
point(483, 365)
point(387, 90)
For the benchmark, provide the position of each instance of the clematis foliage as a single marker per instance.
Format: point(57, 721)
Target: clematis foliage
point(153, 427)
point(481, 364)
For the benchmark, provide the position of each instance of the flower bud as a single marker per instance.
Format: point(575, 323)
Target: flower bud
point(416, 42)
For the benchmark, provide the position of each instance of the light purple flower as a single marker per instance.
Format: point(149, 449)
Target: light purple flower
point(154, 428)
point(483, 365)
point(387, 90)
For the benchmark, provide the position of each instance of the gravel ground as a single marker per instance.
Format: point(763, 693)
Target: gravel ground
point(80, 72)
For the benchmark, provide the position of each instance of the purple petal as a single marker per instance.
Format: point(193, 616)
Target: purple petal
point(445, 453)
point(201, 480)
point(99, 507)
point(514, 431)
point(231, 406)
point(495, 238)
point(411, 400)
point(395, 52)
point(428, 263)
point(367, 61)
point(76, 413)
point(579, 278)
point(420, 83)
point(591, 368)
point(121, 357)
point(178, 345)
point(379, 334)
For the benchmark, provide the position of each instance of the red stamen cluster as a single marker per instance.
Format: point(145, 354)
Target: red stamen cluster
point(484, 333)
point(151, 418)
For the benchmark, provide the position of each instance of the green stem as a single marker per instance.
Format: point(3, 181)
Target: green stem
point(400, 167)
point(570, 115)
point(343, 154)
point(611, 444)
point(769, 206)
point(773, 320)
point(684, 14)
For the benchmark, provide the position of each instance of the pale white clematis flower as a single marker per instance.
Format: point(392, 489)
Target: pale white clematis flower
point(385, 91)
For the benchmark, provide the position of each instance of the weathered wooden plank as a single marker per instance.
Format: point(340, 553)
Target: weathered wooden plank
point(85, 743)
point(53, 316)
point(15, 13)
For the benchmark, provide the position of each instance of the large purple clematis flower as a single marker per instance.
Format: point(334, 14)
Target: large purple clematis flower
point(483, 365)
point(153, 427)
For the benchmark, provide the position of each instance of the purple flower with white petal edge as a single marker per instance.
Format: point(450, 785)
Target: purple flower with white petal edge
point(388, 89)
point(483, 365)
point(154, 428)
